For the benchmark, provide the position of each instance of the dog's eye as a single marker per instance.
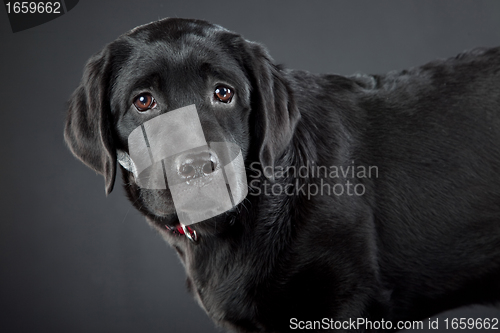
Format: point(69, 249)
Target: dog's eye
point(223, 94)
point(144, 102)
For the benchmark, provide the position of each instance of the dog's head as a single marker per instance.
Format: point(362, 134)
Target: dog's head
point(240, 97)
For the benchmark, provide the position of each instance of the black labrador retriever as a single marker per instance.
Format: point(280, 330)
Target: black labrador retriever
point(372, 199)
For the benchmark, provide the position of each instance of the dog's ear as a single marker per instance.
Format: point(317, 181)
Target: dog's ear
point(276, 114)
point(88, 125)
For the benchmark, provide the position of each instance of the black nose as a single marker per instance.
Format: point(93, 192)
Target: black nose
point(196, 165)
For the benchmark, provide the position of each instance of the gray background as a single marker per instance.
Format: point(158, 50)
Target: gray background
point(72, 260)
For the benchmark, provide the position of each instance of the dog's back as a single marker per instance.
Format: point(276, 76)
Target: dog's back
point(434, 134)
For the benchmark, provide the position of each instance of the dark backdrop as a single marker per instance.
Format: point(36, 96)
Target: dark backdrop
point(74, 260)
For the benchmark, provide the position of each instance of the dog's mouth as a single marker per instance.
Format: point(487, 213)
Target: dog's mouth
point(193, 232)
point(170, 224)
point(199, 210)
point(179, 230)
point(202, 205)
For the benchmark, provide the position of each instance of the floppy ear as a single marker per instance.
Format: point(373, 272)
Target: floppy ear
point(273, 103)
point(88, 124)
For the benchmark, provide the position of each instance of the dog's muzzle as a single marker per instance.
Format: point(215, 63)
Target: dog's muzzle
point(205, 179)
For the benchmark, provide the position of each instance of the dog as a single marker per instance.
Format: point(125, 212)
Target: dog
point(409, 226)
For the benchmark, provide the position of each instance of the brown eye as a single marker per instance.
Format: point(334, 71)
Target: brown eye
point(144, 102)
point(224, 94)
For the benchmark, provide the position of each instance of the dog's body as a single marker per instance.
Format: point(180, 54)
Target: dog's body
point(423, 237)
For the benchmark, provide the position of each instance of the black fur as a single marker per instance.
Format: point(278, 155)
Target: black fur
point(423, 238)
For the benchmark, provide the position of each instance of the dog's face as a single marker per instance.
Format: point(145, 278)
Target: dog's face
point(164, 66)
point(163, 73)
